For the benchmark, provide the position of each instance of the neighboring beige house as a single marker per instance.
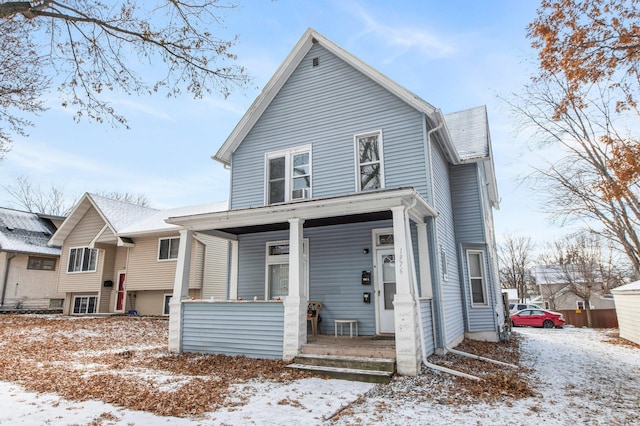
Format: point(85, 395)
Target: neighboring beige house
point(554, 289)
point(28, 266)
point(628, 310)
point(119, 258)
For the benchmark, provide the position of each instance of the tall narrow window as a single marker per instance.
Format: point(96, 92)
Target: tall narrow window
point(168, 249)
point(82, 259)
point(277, 283)
point(288, 175)
point(475, 263)
point(369, 159)
point(443, 263)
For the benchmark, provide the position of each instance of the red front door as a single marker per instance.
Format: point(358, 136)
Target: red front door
point(120, 299)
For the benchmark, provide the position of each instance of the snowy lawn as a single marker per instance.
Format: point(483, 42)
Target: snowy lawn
point(79, 367)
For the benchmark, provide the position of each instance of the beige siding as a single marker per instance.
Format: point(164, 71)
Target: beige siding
point(105, 304)
point(146, 272)
point(215, 267)
point(29, 287)
point(628, 312)
point(86, 229)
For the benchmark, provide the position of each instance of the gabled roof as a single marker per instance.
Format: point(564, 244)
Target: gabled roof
point(633, 287)
point(25, 232)
point(562, 274)
point(282, 74)
point(124, 219)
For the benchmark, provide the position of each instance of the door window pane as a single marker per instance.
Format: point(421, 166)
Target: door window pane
point(389, 293)
point(278, 280)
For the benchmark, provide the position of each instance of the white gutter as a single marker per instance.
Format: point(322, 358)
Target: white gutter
point(481, 358)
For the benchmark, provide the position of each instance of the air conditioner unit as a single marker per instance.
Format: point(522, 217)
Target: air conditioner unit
point(300, 194)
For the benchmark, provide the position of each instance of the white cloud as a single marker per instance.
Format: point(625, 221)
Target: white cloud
point(402, 39)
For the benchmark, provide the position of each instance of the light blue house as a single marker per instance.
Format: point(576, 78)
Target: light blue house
point(350, 190)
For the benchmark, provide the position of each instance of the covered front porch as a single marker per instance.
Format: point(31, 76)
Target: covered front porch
point(366, 257)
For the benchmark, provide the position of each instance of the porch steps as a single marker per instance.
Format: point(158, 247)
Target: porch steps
point(352, 350)
point(362, 369)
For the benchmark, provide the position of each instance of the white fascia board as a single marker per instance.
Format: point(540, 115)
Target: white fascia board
point(314, 209)
point(261, 103)
point(78, 211)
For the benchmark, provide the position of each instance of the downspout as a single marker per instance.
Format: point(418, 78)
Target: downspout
point(6, 276)
point(434, 238)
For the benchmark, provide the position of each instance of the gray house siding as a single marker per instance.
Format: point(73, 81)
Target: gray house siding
point(336, 262)
point(450, 288)
point(325, 106)
point(226, 328)
point(469, 215)
point(467, 203)
point(427, 326)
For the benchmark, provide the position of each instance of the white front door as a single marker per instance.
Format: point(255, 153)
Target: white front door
point(386, 290)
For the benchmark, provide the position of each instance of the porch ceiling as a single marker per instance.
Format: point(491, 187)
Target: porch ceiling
point(362, 207)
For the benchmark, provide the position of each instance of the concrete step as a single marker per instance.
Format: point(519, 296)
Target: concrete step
point(353, 374)
point(354, 351)
point(354, 362)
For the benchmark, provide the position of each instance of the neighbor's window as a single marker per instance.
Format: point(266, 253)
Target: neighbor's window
point(475, 263)
point(369, 161)
point(166, 309)
point(277, 282)
point(168, 249)
point(85, 304)
point(288, 175)
point(42, 263)
point(82, 259)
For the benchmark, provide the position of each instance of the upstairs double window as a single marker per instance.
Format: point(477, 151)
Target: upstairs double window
point(288, 175)
point(82, 259)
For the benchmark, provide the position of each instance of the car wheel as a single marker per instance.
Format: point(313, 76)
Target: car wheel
point(547, 324)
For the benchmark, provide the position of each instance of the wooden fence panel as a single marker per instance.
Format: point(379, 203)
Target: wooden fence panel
point(601, 318)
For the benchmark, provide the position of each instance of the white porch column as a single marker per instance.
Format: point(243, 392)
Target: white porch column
point(233, 273)
point(180, 290)
point(295, 304)
point(425, 261)
point(404, 303)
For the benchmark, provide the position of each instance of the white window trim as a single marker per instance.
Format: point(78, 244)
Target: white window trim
point(288, 177)
point(282, 259)
point(356, 157)
point(578, 302)
point(169, 259)
point(80, 296)
point(164, 298)
point(88, 271)
point(483, 277)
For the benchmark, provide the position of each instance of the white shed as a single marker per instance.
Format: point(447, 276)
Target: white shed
point(627, 299)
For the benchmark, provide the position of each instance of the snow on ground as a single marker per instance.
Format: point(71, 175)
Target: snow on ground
point(581, 377)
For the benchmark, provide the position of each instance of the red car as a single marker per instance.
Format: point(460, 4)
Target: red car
point(537, 318)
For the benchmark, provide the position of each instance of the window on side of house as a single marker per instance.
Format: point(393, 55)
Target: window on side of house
point(41, 263)
point(277, 265)
point(369, 163)
point(443, 263)
point(82, 259)
point(288, 175)
point(477, 281)
point(85, 304)
point(581, 305)
point(167, 299)
point(168, 248)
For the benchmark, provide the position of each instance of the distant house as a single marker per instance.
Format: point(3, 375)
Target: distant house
point(627, 299)
point(119, 257)
point(554, 283)
point(349, 190)
point(28, 266)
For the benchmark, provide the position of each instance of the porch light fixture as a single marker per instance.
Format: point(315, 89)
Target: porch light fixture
point(365, 251)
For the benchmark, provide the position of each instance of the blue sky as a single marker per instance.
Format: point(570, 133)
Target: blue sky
point(454, 54)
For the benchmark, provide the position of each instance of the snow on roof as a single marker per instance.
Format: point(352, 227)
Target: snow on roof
point(121, 214)
point(156, 221)
point(634, 286)
point(469, 130)
point(25, 232)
